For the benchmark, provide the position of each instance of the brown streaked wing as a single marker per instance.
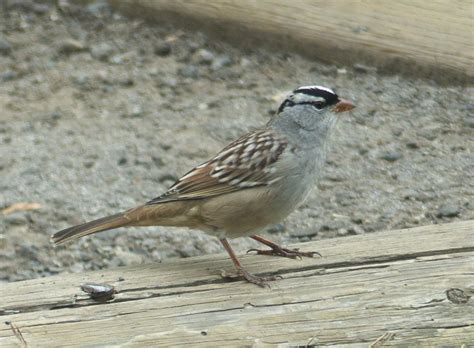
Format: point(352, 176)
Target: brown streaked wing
point(245, 163)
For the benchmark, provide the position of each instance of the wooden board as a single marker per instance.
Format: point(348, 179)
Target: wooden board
point(391, 283)
point(429, 38)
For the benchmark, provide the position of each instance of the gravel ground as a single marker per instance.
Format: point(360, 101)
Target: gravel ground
point(99, 113)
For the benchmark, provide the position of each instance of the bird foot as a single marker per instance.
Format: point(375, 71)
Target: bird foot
point(251, 278)
point(284, 252)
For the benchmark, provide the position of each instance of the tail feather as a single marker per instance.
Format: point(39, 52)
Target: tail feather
point(99, 225)
point(166, 214)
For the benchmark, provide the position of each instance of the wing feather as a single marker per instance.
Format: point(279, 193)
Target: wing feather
point(247, 162)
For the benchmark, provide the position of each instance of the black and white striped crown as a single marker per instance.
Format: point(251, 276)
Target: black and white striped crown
point(317, 96)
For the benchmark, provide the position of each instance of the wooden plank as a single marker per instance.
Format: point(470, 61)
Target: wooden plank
point(432, 38)
point(362, 288)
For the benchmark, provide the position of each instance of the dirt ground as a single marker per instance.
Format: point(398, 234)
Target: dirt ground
point(99, 113)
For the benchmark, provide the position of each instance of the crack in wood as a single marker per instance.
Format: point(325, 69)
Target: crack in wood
point(367, 261)
point(88, 302)
point(446, 327)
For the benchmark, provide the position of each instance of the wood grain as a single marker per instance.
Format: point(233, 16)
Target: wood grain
point(431, 38)
point(362, 288)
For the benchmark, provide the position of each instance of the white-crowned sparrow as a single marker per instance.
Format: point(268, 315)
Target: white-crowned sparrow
point(255, 181)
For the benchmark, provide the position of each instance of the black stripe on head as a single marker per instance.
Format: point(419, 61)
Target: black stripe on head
point(286, 103)
point(329, 95)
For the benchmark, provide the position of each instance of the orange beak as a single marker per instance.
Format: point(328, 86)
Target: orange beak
point(343, 105)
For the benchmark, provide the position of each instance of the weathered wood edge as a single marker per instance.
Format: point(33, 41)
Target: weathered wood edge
point(410, 37)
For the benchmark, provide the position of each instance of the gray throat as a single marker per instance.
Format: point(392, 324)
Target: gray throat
point(303, 125)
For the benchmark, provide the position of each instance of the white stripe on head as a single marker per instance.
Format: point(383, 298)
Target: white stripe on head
point(329, 90)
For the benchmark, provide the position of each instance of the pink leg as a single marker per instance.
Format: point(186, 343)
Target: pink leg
point(260, 281)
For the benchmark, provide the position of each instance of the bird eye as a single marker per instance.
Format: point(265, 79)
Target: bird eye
point(318, 104)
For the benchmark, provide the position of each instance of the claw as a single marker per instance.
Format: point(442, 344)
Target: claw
point(283, 252)
point(251, 278)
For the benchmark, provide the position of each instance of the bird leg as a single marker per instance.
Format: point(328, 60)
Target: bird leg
point(241, 272)
point(277, 250)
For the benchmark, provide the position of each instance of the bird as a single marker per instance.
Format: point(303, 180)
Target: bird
point(255, 181)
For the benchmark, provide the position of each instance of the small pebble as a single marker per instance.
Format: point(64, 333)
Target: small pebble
point(168, 82)
point(136, 110)
point(8, 75)
point(333, 225)
point(448, 210)
point(469, 122)
point(81, 79)
point(342, 232)
point(342, 71)
point(429, 133)
point(391, 156)
point(336, 177)
point(163, 49)
point(220, 62)
point(361, 68)
point(157, 161)
point(189, 71)
point(16, 218)
point(245, 62)
point(355, 230)
point(99, 292)
point(397, 131)
point(102, 51)
point(28, 250)
point(126, 82)
point(70, 46)
point(167, 177)
point(278, 228)
point(409, 194)
point(204, 56)
point(98, 7)
point(413, 144)
point(88, 164)
point(40, 8)
point(5, 47)
point(117, 59)
point(193, 46)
